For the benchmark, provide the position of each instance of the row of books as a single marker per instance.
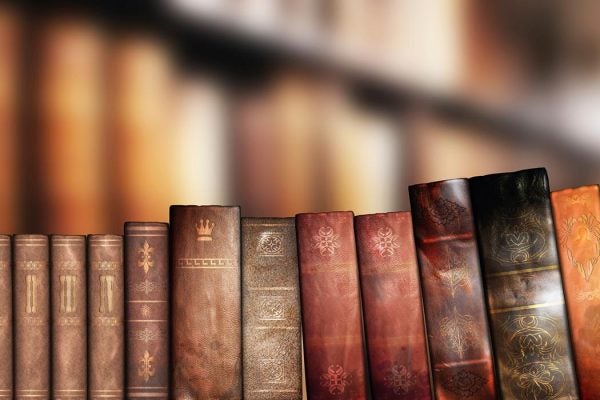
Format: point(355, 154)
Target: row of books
point(462, 298)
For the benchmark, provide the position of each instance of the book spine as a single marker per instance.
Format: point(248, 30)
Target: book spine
point(331, 309)
point(524, 289)
point(206, 302)
point(69, 317)
point(106, 312)
point(32, 317)
point(389, 276)
point(455, 312)
point(6, 318)
point(577, 224)
point(272, 351)
point(147, 296)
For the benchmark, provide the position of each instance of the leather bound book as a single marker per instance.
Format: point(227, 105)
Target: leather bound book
point(106, 311)
point(147, 296)
point(69, 317)
point(392, 308)
point(32, 317)
point(523, 283)
point(453, 298)
point(6, 319)
point(272, 350)
point(331, 307)
point(577, 224)
point(206, 303)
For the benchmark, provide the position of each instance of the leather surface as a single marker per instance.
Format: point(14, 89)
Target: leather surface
point(69, 317)
point(524, 289)
point(32, 317)
point(577, 216)
point(389, 277)
point(331, 308)
point(6, 318)
point(206, 302)
point(147, 309)
point(106, 309)
point(455, 313)
point(271, 310)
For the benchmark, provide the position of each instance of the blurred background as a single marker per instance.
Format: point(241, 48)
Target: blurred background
point(112, 111)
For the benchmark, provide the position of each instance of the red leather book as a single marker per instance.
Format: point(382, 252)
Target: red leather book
point(393, 312)
point(331, 309)
point(455, 312)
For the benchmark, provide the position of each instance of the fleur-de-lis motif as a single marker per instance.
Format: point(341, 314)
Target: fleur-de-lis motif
point(326, 241)
point(581, 240)
point(385, 242)
point(335, 379)
point(145, 368)
point(146, 260)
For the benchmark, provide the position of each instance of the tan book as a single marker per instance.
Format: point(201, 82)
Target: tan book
point(6, 318)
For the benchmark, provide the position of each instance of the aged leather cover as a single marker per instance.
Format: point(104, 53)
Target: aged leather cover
point(331, 307)
point(106, 310)
point(32, 317)
point(524, 290)
point(206, 302)
point(147, 297)
point(392, 308)
point(69, 317)
point(576, 218)
point(272, 351)
point(6, 318)
point(455, 313)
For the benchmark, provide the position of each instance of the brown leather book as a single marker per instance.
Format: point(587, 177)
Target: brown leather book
point(272, 344)
point(6, 318)
point(392, 307)
point(32, 317)
point(69, 317)
point(106, 306)
point(334, 347)
point(206, 303)
point(147, 297)
point(455, 313)
point(525, 297)
point(577, 224)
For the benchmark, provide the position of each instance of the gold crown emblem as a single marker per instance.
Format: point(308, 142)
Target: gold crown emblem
point(204, 230)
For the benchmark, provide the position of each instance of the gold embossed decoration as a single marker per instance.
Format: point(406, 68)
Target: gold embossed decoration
point(270, 244)
point(204, 230)
point(459, 332)
point(464, 383)
point(335, 379)
point(442, 211)
point(326, 241)
point(520, 239)
point(146, 260)
point(456, 273)
point(385, 242)
point(399, 379)
point(145, 368)
point(581, 240)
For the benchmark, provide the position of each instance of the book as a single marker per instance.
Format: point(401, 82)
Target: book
point(525, 297)
point(576, 218)
point(392, 307)
point(69, 317)
point(272, 342)
point(31, 317)
point(147, 309)
point(334, 347)
point(206, 302)
point(455, 312)
point(106, 309)
point(6, 318)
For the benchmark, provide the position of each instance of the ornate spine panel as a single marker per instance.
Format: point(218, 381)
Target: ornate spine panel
point(32, 317)
point(147, 295)
point(206, 302)
point(389, 277)
point(106, 312)
point(271, 310)
point(69, 317)
point(455, 314)
point(6, 319)
point(523, 282)
point(331, 308)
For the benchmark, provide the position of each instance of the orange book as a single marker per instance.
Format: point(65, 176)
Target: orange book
point(577, 222)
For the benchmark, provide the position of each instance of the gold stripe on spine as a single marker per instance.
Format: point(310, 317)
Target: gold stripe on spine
point(523, 271)
point(528, 307)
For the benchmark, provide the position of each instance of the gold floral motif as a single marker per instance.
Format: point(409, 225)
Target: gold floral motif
point(146, 260)
point(581, 241)
point(270, 244)
point(399, 379)
point(459, 332)
point(145, 368)
point(520, 239)
point(456, 273)
point(326, 241)
point(464, 383)
point(145, 310)
point(442, 211)
point(335, 379)
point(385, 242)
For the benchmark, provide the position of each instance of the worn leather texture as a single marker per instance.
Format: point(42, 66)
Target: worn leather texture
point(6, 318)
point(455, 313)
point(147, 309)
point(32, 317)
point(106, 309)
point(392, 307)
point(69, 317)
point(272, 349)
point(524, 288)
point(206, 302)
point(334, 346)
